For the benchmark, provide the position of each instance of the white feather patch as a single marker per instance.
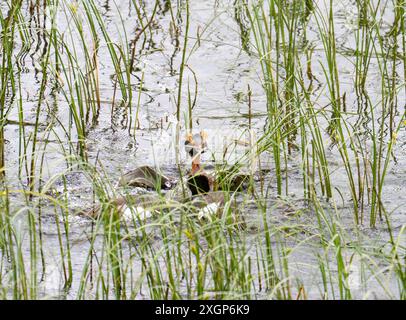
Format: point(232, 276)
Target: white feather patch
point(136, 213)
point(208, 211)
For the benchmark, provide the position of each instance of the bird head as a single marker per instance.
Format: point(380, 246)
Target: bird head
point(195, 145)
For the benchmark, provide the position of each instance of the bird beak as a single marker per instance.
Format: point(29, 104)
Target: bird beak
point(204, 135)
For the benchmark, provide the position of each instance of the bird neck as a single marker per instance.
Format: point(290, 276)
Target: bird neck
point(195, 164)
point(195, 168)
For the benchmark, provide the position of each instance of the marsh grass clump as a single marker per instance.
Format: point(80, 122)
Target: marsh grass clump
point(314, 92)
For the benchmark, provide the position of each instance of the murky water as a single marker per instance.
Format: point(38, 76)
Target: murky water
point(223, 70)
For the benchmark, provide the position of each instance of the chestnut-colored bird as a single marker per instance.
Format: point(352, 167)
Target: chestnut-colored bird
point(195, 145)
point(200, 183)
point(206, 202)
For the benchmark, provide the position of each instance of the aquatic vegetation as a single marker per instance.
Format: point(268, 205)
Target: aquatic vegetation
point(299, 107)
